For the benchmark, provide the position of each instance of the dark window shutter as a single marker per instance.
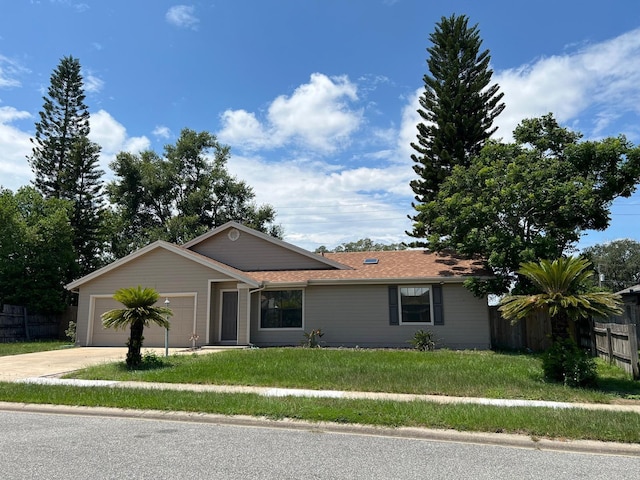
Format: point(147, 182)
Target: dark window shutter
point(393, 306)
point(438, 313)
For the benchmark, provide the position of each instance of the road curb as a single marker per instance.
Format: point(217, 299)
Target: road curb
point(495, 439)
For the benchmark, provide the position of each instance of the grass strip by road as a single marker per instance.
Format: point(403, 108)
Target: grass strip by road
point(19, 348)
point(442, 372)
point(535, 422)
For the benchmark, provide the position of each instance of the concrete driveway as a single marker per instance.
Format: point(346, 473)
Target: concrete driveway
point(57, 362)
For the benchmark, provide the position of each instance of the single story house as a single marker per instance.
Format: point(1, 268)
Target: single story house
point(236, 286)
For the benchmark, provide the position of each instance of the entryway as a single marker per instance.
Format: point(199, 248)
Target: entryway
point(229, 317)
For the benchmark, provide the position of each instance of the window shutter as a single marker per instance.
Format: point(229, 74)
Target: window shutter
point(438, 313)
point(393, 306)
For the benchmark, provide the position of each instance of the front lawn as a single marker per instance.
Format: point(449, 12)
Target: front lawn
point(487, 374)
point(18, 348)
point(443, 372)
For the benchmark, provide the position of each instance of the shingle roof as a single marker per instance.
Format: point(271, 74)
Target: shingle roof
point(630, 290)
point(392, 265)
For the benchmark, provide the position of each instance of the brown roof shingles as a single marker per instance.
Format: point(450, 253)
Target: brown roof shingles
point(392, 265)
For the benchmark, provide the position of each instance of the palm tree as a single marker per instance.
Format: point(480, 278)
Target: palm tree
point(561, 283)
point(139, 313)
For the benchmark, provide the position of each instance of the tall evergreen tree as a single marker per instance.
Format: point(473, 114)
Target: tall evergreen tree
point(85, 192)
point(64, 118)
point(65, 162)
point(458, 107)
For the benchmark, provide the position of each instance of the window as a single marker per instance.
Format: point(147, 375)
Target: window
point(281, 309)
point(415, 304)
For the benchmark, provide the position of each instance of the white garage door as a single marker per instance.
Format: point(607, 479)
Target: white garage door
point(179, 334)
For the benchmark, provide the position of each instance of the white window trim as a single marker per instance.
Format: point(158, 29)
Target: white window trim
point(430, 287)
point(284, 329)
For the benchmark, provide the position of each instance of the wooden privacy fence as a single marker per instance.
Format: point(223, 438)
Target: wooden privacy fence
point(17, 324)
point(532, 334)
point(617, 343)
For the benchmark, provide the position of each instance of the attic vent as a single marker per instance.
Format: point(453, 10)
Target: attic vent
point(233, 234)
point(370, 261)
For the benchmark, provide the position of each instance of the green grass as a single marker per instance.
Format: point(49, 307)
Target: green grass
point(536, 422)
point(443, 372)
point(466, 373)
point(18, 348)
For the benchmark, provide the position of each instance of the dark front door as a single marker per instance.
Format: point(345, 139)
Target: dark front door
point(229, 331)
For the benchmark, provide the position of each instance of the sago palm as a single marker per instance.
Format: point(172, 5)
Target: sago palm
point(139, 313)
point(560, 297)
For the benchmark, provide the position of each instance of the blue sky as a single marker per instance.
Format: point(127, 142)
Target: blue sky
point(316, 98)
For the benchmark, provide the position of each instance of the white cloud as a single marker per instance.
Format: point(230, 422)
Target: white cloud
point(10, 71)
point(93, 84)
point(112, 137)
point(316, 116)
point(9, 114)
point(182, 16)
point(242, 128)
point(321, 204)
point(591, 87)
point(408, 131)
point(161, 132)
point(77, 6)
point(15, 145)
point(14, 148)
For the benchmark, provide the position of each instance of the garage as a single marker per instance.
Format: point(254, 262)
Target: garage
point(182, 323)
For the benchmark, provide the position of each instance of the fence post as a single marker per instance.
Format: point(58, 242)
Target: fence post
point(633, 350)
point(26, 324)
point(592, 334)
point(609, 345)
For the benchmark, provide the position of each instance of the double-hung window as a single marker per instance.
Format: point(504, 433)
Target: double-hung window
point(281, 309)
point(415, 305)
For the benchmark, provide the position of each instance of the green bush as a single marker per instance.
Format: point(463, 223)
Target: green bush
point(567, 363)
point(70, 332)
point(423, 341)
point(312, 339)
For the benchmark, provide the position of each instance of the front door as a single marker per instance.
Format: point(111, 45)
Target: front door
point(229, 317)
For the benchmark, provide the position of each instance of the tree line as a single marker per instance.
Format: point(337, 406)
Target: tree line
point(71, 221)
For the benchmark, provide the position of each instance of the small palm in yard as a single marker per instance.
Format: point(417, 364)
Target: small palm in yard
point(564, 300)
point(562, 296)
point(139, 313)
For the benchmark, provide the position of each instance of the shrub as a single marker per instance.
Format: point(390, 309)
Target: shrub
point(567, 363)
point(70, 332)
point(151, 361)
point(312, 339)
point(423, 341)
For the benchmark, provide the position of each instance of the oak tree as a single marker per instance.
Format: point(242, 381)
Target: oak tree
point(179, 195)
point(530, 200)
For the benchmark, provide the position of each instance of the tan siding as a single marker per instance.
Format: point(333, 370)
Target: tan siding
point(243, 333)
point(250, 253)
point(154, 336)
point(359, 315)
point(167, 273)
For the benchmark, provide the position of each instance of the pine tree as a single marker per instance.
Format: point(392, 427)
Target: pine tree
point(65, 162)
point(458, 108)
point(85, 191)
point(64, 118)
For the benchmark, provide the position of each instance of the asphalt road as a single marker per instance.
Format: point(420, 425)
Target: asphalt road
point(52, 446)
